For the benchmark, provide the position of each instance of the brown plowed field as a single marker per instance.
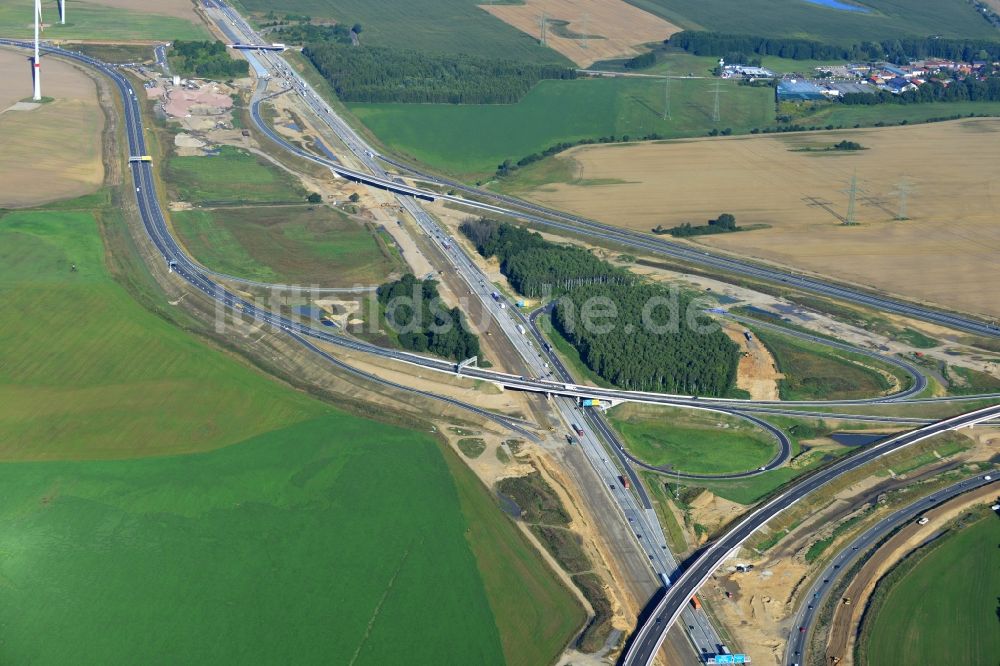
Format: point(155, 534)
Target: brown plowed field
point(51, 151)
point(944, 254)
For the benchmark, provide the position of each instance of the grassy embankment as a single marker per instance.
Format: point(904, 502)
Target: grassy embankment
point(254, 236)
point(804, 459)
point(546, 517)
point(288, 244)
point(231, 177)
point(939, 606)
point(814, 373)
point(88, 20)
point(689, 441)
point(285, 513)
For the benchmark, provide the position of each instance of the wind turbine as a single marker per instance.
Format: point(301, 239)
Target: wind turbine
point(36, 63)
point(62, 12)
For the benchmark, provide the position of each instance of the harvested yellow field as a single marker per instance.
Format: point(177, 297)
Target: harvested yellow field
point(614, 27)
point(183, 9)
point(50, 151)
point(947, 253)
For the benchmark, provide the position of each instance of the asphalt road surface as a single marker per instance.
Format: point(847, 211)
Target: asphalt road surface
point(798, 638)
point(647, 639)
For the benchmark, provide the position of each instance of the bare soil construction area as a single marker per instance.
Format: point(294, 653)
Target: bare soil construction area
point(586, 31)
point(942, 254)
point(53, 150)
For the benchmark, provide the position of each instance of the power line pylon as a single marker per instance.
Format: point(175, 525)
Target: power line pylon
point(666, 96)
point(715, 111)
point(852, 198)
point(903, 190)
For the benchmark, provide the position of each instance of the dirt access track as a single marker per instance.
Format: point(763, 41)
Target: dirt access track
point(50, 151)
point(586, 31)
point(944, 254)
point(846, 618)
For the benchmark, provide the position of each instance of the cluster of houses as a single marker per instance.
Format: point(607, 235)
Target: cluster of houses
point(836, 80)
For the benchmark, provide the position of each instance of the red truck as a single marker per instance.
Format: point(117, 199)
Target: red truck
point(578, 430)
point(695, 603)
point(625, 483)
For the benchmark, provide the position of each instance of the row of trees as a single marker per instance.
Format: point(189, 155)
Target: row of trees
point(415, 312)
point(376, 74)
point(723, 224)
point(641, 61)
point(895, 50)
point(205, 59)
point(649, 337)
point(508, 166)
point(967, 90)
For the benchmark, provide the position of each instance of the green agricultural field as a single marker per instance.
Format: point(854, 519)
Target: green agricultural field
point(438, 26)
point(814, 373)
point(843, 115)
point(302, 545)
point(944, 610)
point(287, 244)
point(88, 20)
point(474, 139)
point(85, 372)
point(800, 18)
point(690, 441)
point(231, 177)
point(287, 533)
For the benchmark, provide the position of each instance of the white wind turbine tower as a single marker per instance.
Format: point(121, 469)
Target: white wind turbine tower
point(36, 64)
point(62, 12)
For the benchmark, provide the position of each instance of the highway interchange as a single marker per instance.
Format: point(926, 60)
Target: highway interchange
point(599, 438)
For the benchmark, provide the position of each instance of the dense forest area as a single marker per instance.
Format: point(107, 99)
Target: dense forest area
point(534, 266)
point(967, 90)
point(369, 74)
point(646, 350)
point(414, 310)
point(655, 340)
point(205, 59)
point(894, 50)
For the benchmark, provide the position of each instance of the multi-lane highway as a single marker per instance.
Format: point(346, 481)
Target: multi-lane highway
point(479, 198)
point(639, 511)
point(827, 579)
point(641, 520)
point(647, 639)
